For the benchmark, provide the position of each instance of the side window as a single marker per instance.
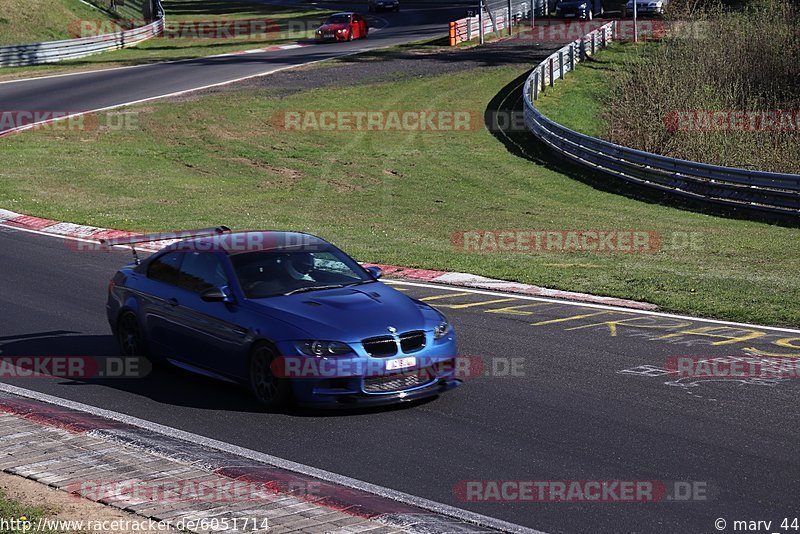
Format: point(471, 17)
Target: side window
point(166, 268)
point(328, 267)
point(201, 271)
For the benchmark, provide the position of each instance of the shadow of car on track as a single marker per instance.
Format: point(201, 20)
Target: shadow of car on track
point(164, 384)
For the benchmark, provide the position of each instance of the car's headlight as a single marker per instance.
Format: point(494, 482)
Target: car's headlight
point(583, 6)
point(441, 330)
point(339, 31)
point(324, 348)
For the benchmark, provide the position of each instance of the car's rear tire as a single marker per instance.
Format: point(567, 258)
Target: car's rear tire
point(269, 390)
point(130, 335)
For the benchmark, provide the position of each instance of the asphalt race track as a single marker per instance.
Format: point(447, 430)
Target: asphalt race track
point(101, 89)
point(588, 403)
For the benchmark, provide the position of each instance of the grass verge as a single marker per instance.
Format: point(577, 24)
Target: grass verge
point(31, 21)
point(578, 101)
point(20, 517)
point(393, 197)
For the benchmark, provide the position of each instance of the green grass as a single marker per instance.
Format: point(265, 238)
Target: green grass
point(300, 20)
point(31, 21)
point(13, 510)
point(578, 101)
point(392, 197)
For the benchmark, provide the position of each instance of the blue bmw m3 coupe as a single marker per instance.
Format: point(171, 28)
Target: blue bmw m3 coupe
point(287, 315)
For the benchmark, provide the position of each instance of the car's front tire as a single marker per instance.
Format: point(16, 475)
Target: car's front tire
point(269, 390)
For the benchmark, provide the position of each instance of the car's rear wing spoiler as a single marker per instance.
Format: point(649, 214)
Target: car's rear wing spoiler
point(161, 236)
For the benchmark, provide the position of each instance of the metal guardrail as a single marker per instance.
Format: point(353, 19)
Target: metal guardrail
point(54, 51)
point(494, 16)
point(755, 190)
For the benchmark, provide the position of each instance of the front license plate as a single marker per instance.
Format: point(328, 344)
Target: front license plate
point(401, 363)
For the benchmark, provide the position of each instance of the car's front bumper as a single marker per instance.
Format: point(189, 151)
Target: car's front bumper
point(360, 399)
point(329, 38)
point(363, 380)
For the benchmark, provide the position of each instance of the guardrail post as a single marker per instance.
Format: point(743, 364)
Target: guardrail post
point(535, 85)
point(469, 28)
point(582, 54)
point(594, 38)
point(561, 64)
point(544, 76)
point(571, 57)
point(552, 71)
point(603, 39)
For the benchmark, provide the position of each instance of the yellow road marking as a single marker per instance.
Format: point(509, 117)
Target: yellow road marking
point(612, 325)
point(574, 317)
point(787, 342)
point(473, 304)
point(707, 331)
point(758, 352)
point(515, 310)
point(437, 297)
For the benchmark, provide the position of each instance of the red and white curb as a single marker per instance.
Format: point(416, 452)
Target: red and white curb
point(93, 233)
point(273, 48)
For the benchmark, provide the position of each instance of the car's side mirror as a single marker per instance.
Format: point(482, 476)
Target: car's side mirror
point(375, 271)
point(215, 294)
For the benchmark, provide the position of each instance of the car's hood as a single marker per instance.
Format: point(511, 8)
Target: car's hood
point(332, 27)
point(349, 314)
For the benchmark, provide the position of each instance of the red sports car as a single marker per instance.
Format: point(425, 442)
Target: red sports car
point(343, 27)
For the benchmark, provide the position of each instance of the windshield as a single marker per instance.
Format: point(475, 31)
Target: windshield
point(270, 273)
point(338, 19)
